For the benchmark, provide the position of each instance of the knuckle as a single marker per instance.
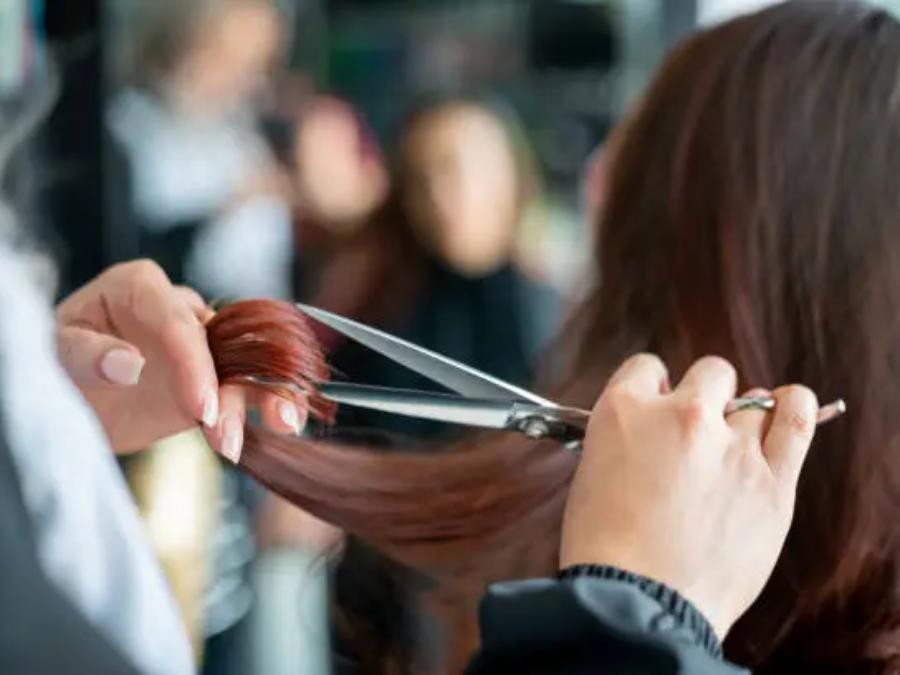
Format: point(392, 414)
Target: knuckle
point(616, 405)
point(654, 363)
point(133, 269)
point(719, 364)
point(646, 358)
point(177, 327)
point(189, 293)
point(146, 273)
point(692, 413)
point(802, 395)
point(143, 278)
point(800, 417)
point(801, 424)
point(619, 398)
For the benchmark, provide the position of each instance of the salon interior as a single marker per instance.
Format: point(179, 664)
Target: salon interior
point(428, 167)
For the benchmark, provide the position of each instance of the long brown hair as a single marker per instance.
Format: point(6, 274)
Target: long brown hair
point(753, 211)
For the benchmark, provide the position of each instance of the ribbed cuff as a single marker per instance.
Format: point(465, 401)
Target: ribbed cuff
point(672, 602)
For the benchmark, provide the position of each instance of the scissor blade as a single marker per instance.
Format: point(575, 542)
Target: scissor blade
point(457, 376)
point(489, 414)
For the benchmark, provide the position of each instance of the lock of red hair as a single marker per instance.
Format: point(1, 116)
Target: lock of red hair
point(270, 345)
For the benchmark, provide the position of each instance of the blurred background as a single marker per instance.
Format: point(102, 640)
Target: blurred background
point(426, 166)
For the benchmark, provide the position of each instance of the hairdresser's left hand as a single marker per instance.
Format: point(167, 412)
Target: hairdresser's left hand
point(135, 346)
point(672, 489)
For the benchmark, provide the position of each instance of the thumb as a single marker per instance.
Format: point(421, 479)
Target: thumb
point(93, 358)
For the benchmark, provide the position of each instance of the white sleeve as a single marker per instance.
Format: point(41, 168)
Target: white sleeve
point(90, 539)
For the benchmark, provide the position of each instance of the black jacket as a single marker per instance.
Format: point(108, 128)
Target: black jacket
point(595, 620)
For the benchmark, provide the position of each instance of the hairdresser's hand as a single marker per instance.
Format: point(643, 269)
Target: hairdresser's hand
point(671, 489)
point(135, 346)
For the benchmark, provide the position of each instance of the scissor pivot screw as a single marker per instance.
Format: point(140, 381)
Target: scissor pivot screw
point(535, 428)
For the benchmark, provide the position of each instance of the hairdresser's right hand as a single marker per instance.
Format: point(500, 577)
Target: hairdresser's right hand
point(135, 346)
point(671, 489)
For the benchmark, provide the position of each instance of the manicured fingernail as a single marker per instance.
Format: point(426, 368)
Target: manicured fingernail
point(288, 414)
point(211, 408)
point(122, 366)
point(232, 439)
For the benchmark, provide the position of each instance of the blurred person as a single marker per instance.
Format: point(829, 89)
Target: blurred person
point(731, 223)
point(340, 172)
point(206, 200)
point(435, 262)
point(340, 177)
point(199, 183)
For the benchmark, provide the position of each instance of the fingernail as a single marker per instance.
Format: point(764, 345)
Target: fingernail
point(211, 408)
point(288, 414)
point(122, 366)
point(232, 439)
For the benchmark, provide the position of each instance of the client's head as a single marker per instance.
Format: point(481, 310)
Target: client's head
point(751, 211)
point(205, 56)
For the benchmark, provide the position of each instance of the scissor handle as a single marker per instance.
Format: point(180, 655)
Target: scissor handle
point(568, 425)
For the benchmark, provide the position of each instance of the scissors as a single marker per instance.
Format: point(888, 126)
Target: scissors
point(481, 400)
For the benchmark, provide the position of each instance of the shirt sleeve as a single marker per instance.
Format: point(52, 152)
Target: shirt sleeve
point(598, 621)
point(89, 538)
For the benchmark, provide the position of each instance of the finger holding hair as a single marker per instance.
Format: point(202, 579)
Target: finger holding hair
point(227, 437)
point(281, 414)
point(196, 302)
point(148, 297)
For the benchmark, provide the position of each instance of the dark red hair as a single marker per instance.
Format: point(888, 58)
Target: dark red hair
point(753, 211)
